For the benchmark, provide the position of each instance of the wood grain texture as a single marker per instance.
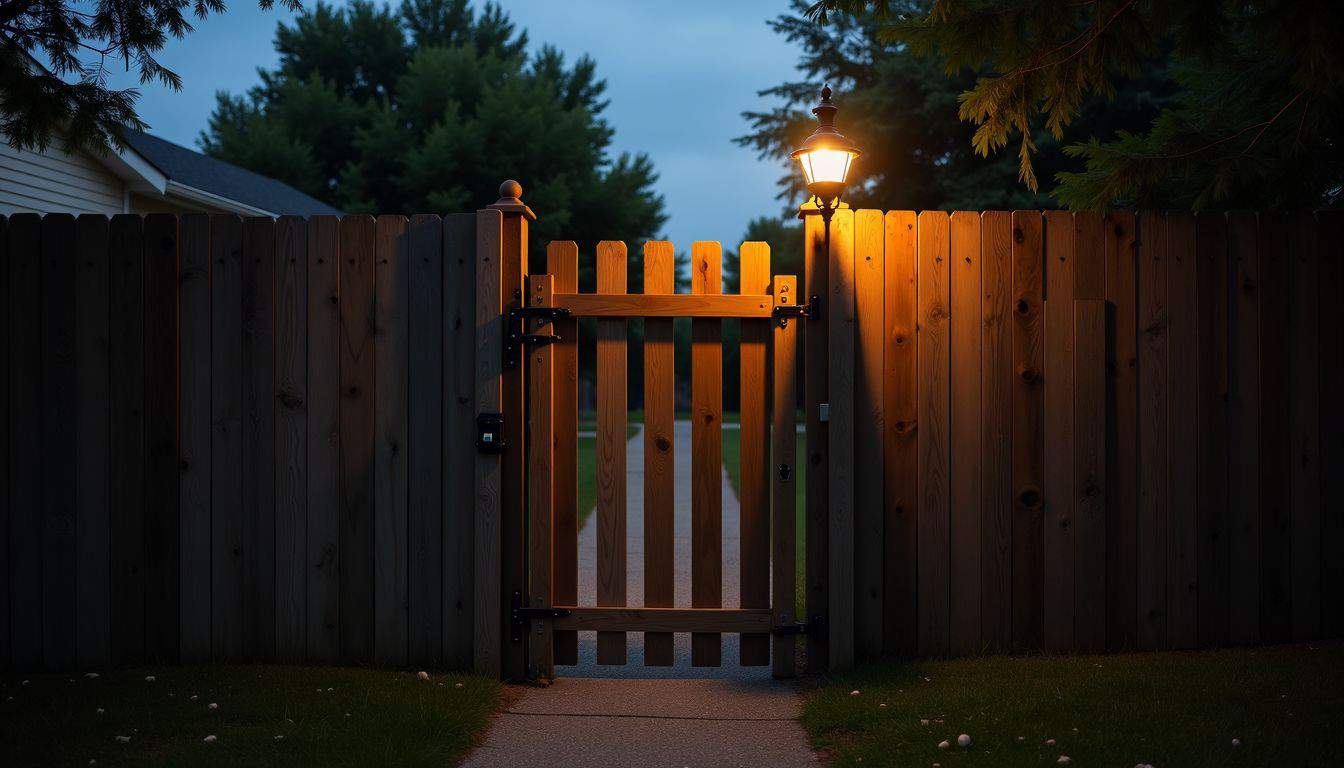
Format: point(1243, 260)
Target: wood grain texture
point(24, 372)
point(1151, 530)
point(291, 437)
point(1304, 371)
point(357, 438)
point(427, 396)
point(1089, 474)
point(659, 450)
point(1182, 431)
point(93, 620)
point(162, 464)
point(4, 446)
point(1059, 514)
point(226, 437)
point(753, 305)
point(869, 326)
point(1275, 433)
point(661, 620)
point(1028, 432)
point(391, 365)
point(322, 564)
point(840, 326)
point(459, 429)
point(815, 387)
point(540, 480)
point(935, 495)
point(1330, 251)
point(899, 445)
point(754, 453)
point(964, 433)
point(195, 436)
point(258, 439)
point(783, 503)
point(996, 361)
point(489, 322)
point(1122, 471)
point(127, 387)
point(1211, 278)
point(513, 538)
point(1243, 528)
point(562, 262)
point(611, 459)
point(706, 452)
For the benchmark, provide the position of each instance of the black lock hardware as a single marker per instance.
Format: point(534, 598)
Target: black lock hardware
point(490, 433)
point(809, 311)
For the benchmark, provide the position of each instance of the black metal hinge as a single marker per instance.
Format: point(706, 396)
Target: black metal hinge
point(515, 330)
point(811, 628)
point(520, 615)
point(809, 311)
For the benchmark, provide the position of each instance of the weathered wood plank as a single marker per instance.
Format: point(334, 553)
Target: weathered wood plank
point(784, 400)
point(323, 540)
point(900, 462)
point(161, 467)
point(540, 482)
point(1244, 417)
point(934, 340)
point(1211, 500)
point(291, 436)
point(659, 451)
point(1122, 471)
point(258, 328)
point(754, 434)
point(357, 437)
point(489, 323)
point(562, 262)
point(425, 460)
point(24, 372)
point(996, 367)
point(1089, 474)
point(1028, 432)
point(840, 326)
point(964, 433)
point(753, 305)
point(5, 661)
point(1275, 433)
point(1182, 432)
point(1152, 523)
point(816, 384)
point(513, 536)
point(621, 620)
point(611, 439)
point(1304, 371)
point(195, 437)
point(706, 452)
point(1330, 245)
point(226, 438)
point(127, 384)
point(1059, 514)
point(391, 353)
point(869, 326)
point(459, 425)
point(93, 460)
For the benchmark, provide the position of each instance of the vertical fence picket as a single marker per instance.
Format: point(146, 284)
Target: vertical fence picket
point(357, 437)
point(1304, 368)
point(1211, 277)
point(427, 397)
point(1275, 432)
point(1182, 432)
point(784, 400)
point(1151, 530)
point(291, 436)
point(996, 405)
point(840, 387)
point(488, 474)
point(391, 349)
point(1122, 470)
point(5, 660)
point(194, 436)
point(659, 451)
point(161, 562)
point(541, 485)
point(459, 426)
point(323, 490)
point(900, 462)
point(1091, 395)
point(754, 433)
point(816, 382)
point(1243, 528)
point(257, 270)
point(869, 324)
point(226, 448)
point(1330, 244)
point(934, 301)
point(964, 433)
point(562, 262)
point(25, 420)
point(1028, 432)
point(706, 452)
point(1060, 523)
point(611, 424)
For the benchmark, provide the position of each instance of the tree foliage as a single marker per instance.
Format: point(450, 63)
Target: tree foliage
point(1254, 120)
point(54, 58)
point(427, 108)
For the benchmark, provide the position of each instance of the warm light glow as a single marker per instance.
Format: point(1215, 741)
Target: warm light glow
point(826, 165)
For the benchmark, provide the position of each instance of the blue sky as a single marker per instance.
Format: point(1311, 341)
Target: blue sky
point(678, 75)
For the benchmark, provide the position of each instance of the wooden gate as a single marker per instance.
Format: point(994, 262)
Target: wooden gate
point(546, 328)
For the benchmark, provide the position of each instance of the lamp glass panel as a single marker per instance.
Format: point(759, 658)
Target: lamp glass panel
point(826, 165)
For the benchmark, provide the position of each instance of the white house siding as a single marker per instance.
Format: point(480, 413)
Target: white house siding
point(52, 181)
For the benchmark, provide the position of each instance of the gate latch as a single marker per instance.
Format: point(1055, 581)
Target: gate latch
point(520, 615)
point(490, 433)
point(515, 330)
point(809, 311)
point(811, 628)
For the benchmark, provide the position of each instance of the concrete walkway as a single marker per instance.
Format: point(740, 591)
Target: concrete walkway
point(616, 716)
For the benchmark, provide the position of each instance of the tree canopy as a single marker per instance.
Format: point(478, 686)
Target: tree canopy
point(54, 58)
point(1253, 120)
point(427, 108)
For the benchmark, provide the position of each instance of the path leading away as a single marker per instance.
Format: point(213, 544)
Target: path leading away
point(615, 716)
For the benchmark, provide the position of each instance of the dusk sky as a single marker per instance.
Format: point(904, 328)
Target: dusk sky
point(678, 76)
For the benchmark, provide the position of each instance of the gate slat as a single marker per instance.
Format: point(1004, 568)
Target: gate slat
point(391, 349)
point(323, 538)
point(659, 451)
point(226, 443)
point(93, 451)
point(840, 388)
point(1182, 432)
point(611, 439)
point(425, 460)
point(1331, 255)
point(1275, 433)
point(1151, 532)
point(57, 441)
point(1304, 404)
point(459, 426)
point(1059, 516)
point(540, 453)
point(1122, 472)
point(127, 494)
point(258, 326)
point(754, 433)
point(1028, 432)
point(162, 468)
point(488, 322)
point(815, 385)
point(784, 400)
point(869, 322)
point(1212, 287)
point(964, 434)
point(195, 436)
point(1089, 469)
point(899, 446)
point(706, 453)
point(562, 262)
point(996, 520)
point(291, 433)
point(357, 437)
point(5, 660)
point(25, 421)
point(1244, 416)
point(934, 291)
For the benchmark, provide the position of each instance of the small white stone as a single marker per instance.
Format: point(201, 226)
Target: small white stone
point(1021, 738)
point(91, 675)
point(150, 678)
point(943, 744)
point(964, 740)
point(194, 697)
point(101, 710)
point(881, 706)
point(423, 675)
point(1050, 742)
point(25, 682)
point(1064, 760)
point(213, 706)
point(279, 737)
point(853, 693)
point(329, 690)
point(92, 761)
point(347, 714)
point(1236, 742)
point(457, 685)
point(923, 722)
point(124, 739)
point(210, 739)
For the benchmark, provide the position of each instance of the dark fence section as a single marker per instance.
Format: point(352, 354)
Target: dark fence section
point(237, 438)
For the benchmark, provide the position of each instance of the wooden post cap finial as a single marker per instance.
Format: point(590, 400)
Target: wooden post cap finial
point(511, 200)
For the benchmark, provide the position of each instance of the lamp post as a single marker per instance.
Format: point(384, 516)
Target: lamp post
point(826, 157)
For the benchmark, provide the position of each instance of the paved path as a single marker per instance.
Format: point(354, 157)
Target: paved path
point(615, 716)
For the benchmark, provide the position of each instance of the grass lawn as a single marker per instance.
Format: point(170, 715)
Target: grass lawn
point(587, 466)
point(267, 715)
point(1284, 704)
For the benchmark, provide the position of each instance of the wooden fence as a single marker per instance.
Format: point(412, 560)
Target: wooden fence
point(237, 439)
point(1075, 432)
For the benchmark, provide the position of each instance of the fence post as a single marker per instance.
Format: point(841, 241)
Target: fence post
point(816, 283)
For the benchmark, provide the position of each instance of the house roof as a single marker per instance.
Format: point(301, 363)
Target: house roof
point(196, 172)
